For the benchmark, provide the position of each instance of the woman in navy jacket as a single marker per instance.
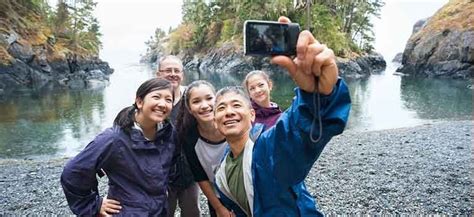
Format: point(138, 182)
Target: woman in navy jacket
point(135, 154)
point(264, 176)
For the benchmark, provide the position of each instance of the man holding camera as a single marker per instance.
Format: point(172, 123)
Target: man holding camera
point(264, 176)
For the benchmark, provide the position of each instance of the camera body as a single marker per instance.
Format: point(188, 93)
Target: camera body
point(267, 38)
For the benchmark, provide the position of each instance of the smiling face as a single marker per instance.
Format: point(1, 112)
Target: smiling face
point(233, 115)
point(259, 89)
point(154, 107)
point(171, 69)
point(201, 103)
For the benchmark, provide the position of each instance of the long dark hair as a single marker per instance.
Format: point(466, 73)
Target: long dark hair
point(185, 120)
point(126, 117)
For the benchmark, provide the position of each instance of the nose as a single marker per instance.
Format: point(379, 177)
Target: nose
point(161, 103)
point(229, 112)
point(205, 106)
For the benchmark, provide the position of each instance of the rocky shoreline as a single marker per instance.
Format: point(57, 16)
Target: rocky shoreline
point(417, 170)
point(33, 67)
point(229, 64)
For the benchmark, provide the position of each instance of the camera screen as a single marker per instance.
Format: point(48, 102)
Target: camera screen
point(266, 38)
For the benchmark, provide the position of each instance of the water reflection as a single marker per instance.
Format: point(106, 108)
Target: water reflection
point(62, 122)
point(437, 98)
point(45, 123)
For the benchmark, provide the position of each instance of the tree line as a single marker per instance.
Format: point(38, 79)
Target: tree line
point(70, 24)
point(344, 25)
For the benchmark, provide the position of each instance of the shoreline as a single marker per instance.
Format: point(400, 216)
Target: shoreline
point(424, 169)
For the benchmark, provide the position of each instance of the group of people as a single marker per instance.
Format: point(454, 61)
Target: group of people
point(246, 156)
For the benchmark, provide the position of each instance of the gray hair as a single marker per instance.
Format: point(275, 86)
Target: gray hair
point(163, 58)
point(234, 89)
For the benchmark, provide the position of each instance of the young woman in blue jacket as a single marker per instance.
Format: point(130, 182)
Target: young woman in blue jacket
point(265, 176)
point(135, 154)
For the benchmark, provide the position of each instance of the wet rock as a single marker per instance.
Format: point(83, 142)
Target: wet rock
point(227, 60)
point(38, 66)
point(437, 48)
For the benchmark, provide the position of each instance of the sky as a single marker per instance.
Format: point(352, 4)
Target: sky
point(395, 25)
point(126, 25)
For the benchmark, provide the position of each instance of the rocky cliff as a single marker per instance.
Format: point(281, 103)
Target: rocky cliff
point(31, 57)
point(229, 64)
point(444, 45)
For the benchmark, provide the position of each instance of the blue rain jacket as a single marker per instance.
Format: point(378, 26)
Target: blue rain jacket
point(284, 154)
point(137, 169)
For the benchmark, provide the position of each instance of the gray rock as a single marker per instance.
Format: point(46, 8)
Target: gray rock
point(361, 67)
point(397, 58)
point(419, 25)
point(446, 51)
point(32, 69)
point(23, 52)
point(230, 65)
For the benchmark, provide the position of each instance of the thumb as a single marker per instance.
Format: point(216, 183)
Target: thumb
point(284, 62)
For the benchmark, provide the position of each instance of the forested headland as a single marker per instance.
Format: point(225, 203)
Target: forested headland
point(40, 43)
point(343, 25)
point(214, 27)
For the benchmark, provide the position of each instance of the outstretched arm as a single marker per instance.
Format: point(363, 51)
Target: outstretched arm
point(291, 153)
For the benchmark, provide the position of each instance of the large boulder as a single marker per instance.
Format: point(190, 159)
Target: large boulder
point(443, 46)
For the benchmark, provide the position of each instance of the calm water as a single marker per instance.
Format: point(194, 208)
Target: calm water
point(62, 122)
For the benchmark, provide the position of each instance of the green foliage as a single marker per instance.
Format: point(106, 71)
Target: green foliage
point(344, 25)
point(74, 22)
point(327, 30)
point(228, 30)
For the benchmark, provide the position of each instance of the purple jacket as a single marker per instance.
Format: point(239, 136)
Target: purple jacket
point(266, 116)
point(137, 169)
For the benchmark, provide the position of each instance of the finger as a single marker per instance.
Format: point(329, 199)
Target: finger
point(113, 206)
point(284, 19)
point(112, 201)
point(112, 210)
point(318, 57)
point(284, 62)
point(324, 58)
point(313, 50)
point(305, 38)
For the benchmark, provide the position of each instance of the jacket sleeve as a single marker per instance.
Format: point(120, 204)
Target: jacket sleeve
point(287, 148)
point(79, 180)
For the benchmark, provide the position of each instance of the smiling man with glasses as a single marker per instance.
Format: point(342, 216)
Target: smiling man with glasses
point(182, 189)
point(171, 68)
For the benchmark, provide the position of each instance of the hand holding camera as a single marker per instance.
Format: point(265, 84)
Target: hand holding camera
point(312, 58)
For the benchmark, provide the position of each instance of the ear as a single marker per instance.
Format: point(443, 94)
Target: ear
point(270, 85)
point(139, 103)
point(252, 115)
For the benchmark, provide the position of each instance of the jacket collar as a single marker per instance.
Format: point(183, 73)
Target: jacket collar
point(140, 142)
point(262, 111)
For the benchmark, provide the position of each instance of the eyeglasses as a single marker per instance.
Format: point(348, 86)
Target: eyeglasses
point(171, 70)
